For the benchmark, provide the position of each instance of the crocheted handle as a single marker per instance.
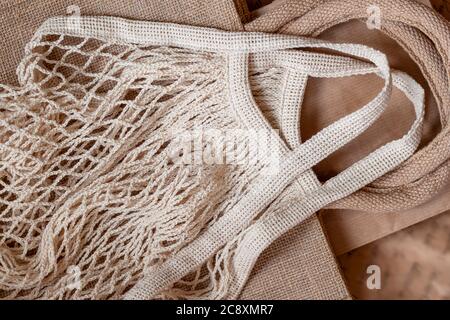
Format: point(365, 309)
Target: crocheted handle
point(260, 235)
point(264, 232)
point(319, 147)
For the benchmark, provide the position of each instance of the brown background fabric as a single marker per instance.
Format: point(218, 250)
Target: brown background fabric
point(311, 271)
point(299, 265)
point(442, 6)
point(348, 230)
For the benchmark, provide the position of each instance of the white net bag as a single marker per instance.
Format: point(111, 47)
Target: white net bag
point(102, 189)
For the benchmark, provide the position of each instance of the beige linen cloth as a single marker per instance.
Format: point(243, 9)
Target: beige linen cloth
point(310, 272)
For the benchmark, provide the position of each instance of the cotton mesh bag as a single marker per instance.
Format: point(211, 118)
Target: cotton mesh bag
point(101, 199)
point(218, 14)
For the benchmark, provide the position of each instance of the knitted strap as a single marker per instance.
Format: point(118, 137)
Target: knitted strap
point(259, 236)
point(268, 230)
